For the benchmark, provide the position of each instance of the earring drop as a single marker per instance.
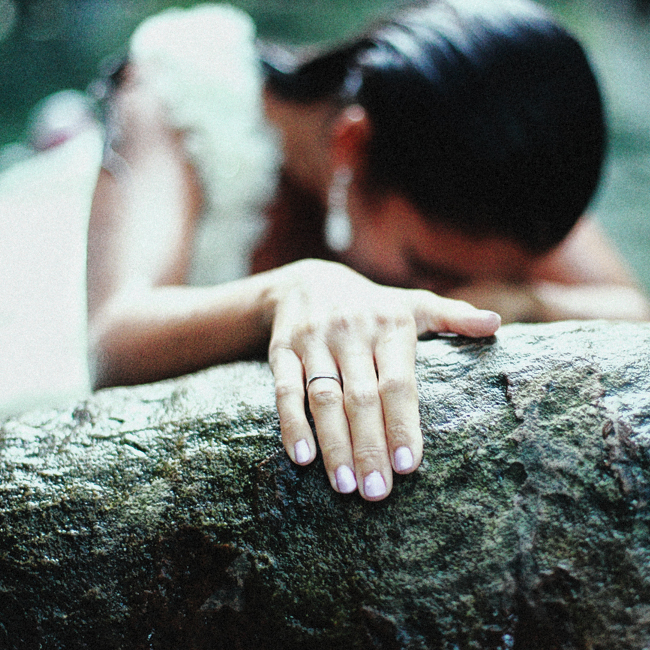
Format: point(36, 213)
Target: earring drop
point(338, 230)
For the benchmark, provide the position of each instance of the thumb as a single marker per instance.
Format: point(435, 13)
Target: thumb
point(436, 314)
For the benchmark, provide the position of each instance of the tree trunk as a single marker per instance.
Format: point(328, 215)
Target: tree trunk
point(168, 516)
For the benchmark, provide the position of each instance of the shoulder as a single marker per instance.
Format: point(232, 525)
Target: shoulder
point(586, 256)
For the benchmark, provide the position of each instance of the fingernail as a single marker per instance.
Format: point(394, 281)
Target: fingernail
point(374, 485)
point(494, 317)
point(301, 451)
point(403, 459)
point(345, 480)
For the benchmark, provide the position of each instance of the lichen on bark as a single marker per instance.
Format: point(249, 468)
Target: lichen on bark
point(168, 516)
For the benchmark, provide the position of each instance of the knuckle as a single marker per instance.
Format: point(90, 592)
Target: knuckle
point(291, 427)
point(295, 338)
point(287, 390)
point(342, 324)
point(406, 323)
point(307, 330)
point(278, 347)
point(324, 396)
point(401, 433)
point(369, 454)
point(333, 449)
point(396, 319)
point(351, 322)
point(395, 386)
point(362, 398)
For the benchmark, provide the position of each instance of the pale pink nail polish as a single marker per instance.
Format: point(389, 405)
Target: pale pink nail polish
point(374, 485)
point(493, 317)
point(403, 459)
point(345, 480)
point(301, 451)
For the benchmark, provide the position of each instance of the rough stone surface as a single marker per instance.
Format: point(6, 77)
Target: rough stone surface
point(167, 516)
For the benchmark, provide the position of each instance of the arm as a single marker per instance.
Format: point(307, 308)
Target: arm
point(583, 278)
point(141, 225)
point(144, 325)
point(316, 316)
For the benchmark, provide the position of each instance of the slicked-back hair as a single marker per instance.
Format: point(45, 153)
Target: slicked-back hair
point(485, 114)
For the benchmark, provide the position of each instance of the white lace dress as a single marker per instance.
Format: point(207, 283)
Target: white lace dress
point(204, 66)
point(205, 70)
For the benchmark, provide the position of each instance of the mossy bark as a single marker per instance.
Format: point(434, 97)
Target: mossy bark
point(168, 516)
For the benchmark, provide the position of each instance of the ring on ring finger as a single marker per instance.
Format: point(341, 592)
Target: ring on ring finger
point(333, 432)
point(335, 377)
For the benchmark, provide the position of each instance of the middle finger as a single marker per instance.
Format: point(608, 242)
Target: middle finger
point(367, 430)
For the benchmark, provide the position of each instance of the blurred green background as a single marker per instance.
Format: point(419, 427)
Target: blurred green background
point(48, 45)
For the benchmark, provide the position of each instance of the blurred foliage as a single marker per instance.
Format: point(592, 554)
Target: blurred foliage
point(47, 45)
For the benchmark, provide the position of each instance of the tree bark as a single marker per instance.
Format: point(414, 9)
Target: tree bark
point(168, 516)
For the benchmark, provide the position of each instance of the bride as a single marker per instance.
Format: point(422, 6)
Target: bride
point(332, 208)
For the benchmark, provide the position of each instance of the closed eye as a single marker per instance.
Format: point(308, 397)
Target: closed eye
point(431, 276)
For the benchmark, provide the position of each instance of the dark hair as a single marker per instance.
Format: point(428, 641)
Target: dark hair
point(485, 114)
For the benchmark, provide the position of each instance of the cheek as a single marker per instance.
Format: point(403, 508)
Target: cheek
point(378, 256)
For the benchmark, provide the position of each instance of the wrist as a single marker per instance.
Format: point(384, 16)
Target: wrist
point(271, 287)
point(277, 284)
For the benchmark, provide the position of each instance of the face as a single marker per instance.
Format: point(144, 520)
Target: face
point(393, 244)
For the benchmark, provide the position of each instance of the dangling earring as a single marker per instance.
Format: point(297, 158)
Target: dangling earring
point(338, 231)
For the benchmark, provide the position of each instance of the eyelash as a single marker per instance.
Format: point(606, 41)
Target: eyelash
point(420, 273)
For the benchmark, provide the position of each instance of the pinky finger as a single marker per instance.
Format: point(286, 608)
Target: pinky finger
point(297, 436)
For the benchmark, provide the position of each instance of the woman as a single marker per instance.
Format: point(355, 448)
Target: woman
point(451, 149)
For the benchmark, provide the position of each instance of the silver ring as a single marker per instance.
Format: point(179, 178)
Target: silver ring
point(336, 378)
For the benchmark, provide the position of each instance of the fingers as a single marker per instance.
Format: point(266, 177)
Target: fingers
point(297, 436)
point(395, 359)
point(325, 394)
point(436, 314)
point(363, 393)
point(363, 408)
point(326, 404)
point(367, 423)
point(327, 407)
point(381, 404)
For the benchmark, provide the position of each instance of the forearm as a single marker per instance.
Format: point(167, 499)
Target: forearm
point(536, 302)
point(584, 278)
point(147, 201)
point(554, 301)
point(148, 334)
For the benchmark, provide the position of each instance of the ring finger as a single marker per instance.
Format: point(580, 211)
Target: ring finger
point(325, 394)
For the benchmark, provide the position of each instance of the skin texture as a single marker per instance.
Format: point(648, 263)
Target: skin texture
point(315, 316)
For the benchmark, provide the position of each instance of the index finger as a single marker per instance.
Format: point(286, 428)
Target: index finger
point(395, 362)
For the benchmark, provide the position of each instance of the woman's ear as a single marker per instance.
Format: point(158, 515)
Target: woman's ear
point(350, 137)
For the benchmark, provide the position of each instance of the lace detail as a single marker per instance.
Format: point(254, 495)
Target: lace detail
point(204, 67)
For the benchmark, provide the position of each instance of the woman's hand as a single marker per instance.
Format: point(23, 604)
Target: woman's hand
point(350, 345)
